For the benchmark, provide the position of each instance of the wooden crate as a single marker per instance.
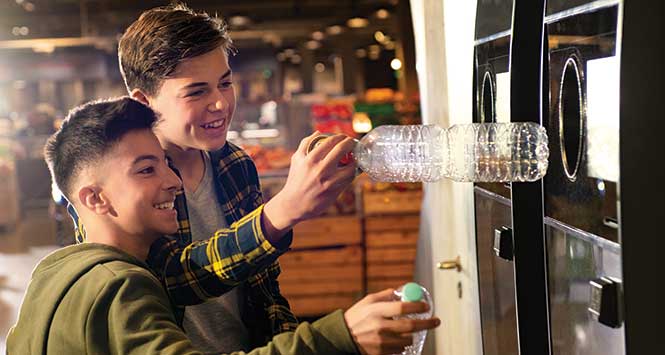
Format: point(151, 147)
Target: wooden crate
point(328, 231)
point(318, 281)
point(390, 243)
point(392, 202)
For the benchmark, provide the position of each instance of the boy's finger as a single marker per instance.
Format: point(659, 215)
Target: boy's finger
point(304, 143)
point(338, 152)
point(396, 308)
point(322, 149)
point(381, 296)
point(412, 325)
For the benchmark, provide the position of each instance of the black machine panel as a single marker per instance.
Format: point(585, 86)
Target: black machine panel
point(575, 261)
point(495, 274)
point(492, 17)
point(491, 85)
point(580, 189)
point(583, 122)
point(491, 103)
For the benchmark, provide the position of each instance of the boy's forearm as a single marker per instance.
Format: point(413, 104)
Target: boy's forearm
point(276, 220)
point(210, 268)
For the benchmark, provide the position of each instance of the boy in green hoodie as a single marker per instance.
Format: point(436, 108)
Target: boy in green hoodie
point(99, 297)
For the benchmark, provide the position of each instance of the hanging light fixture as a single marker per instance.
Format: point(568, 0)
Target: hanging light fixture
point(382, 14)
point(239, 21)
point(334, 30)
point(357, 22)
point(318, 35)
point(312, 45)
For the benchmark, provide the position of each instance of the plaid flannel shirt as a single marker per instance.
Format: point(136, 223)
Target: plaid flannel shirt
point(238, 255)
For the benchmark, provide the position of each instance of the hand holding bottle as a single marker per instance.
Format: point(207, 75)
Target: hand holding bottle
point(375, 330)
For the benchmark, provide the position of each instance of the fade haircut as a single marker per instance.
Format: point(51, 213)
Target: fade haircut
point(152, 47)
point(88, 132)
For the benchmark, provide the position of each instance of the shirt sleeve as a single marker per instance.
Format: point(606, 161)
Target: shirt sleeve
point(139, 319)
point(206, 269)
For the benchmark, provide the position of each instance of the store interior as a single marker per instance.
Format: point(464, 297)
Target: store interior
point(514, 268)
point(298, 67)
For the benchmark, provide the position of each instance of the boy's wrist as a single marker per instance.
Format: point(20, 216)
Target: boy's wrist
point(276, 217)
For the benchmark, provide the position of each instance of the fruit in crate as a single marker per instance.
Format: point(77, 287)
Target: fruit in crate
point(265, 158)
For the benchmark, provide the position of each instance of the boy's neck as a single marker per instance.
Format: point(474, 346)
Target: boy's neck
point(189, 163)
point(136, 246)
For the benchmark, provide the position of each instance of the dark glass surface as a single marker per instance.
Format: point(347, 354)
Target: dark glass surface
point(556, 6)
point(496, 277)
point(492, 17)
point(574, 259)
point(491, 58)
point(572, 194)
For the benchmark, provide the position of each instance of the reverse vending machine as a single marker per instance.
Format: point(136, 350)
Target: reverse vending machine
point(566, 264)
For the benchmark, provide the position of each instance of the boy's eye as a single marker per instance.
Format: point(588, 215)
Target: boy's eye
point(195, 93)
point(226, 84)
point(148, 170)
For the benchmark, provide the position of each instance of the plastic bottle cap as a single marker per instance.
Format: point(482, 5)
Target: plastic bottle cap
point(412, 292)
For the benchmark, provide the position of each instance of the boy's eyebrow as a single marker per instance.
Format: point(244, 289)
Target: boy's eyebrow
point(202, 83)
point(145, 157)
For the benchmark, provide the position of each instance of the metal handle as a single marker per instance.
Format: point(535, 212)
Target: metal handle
point(450, 264)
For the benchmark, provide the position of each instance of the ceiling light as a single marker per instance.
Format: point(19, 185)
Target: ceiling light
point(361, 53)
point(390, 45)
point(382, 14)
point(289, 52)
point(379, 36)
point(396, 64)
point(334, 30)
point(296, 59)
point(361, 122)
point(239, 21)
point(318, 35)
point(374, 55)
point(24, 31)
point(312, 45)
point(16, 31)
point(281, 57)
point(319, 67)
point(357, 22)
point(29, 7)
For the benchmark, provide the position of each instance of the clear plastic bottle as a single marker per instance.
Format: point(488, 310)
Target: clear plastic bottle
point(412, 292)
point(475, 152)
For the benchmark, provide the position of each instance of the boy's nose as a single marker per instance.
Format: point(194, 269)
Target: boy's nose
point(172, 181)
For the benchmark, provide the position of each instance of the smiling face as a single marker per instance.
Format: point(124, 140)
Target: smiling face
point(196, 103)
point(139, 186)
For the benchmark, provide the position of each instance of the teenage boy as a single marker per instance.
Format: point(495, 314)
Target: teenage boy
point(176, 61)
point(99, 297)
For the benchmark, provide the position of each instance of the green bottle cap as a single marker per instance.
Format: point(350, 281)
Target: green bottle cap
point(412, 292)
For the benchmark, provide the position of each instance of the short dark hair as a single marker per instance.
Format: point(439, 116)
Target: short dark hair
point(88, 132)
point(152, 47)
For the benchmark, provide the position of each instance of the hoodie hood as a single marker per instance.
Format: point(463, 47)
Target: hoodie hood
point(50, 281)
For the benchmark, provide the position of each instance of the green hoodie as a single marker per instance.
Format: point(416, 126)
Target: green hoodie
point(95, 299)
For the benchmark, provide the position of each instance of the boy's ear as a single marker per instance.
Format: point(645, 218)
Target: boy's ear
point(139, 96)
point(91, 198)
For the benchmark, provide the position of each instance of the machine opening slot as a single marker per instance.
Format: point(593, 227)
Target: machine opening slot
point(571, 118)
point(487, 99)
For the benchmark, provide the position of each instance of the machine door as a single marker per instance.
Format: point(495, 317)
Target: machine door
point(491, 103)
point(581, 221)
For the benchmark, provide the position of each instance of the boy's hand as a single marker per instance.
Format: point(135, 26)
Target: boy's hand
point(371, 323)
point(315, 179)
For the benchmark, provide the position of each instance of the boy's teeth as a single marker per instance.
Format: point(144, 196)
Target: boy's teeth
point(214, 124)
point(165, 205)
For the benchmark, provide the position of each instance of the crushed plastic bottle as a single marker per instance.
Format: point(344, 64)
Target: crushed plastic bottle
point(413, 292)
point(476, 152)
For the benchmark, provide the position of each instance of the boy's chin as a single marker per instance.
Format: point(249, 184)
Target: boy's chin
point(211, 145)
